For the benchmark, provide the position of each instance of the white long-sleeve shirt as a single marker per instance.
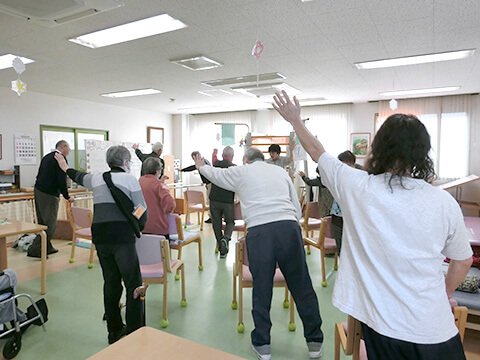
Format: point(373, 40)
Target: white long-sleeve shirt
point(266, 191)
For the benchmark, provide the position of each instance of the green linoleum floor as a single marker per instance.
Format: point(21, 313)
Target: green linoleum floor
point(75, 329)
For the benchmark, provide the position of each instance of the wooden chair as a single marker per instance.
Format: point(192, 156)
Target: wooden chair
point(81, 221)
point(310, 221)
point(240, 224)
point(326, 243)
point(348, 334)
point(155, 262)
point(179, 239)
point(245, 280)
point(195, 203)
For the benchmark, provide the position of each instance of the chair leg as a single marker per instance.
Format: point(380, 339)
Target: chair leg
point(335, 265)
point(200, 258)
point(337, 342)
point(234, 301)
point(92, 251)
point(183, 302)
point(308, 250)
point(177, 274)
point(203, 219)
point(72, 252)
point(198, 217)
point(187, 216)
point(291, 325)
point(240, 326)
point(164, 321)
point(286, 304)
point(324, 275)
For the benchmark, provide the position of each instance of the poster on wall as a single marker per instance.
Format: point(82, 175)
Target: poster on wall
point(25, 149)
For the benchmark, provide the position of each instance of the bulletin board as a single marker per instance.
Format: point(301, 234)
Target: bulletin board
point(96, 151)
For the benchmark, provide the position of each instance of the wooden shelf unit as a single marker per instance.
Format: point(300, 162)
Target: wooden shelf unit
point(15, 173)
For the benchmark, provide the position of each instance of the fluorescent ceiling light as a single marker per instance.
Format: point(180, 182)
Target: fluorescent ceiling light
point(413, 60)
point(135, 30)
point(197, 63)
point(132, 93)
point(266, 89)
point(419, 91)
point(248, 79)
point(215, 93)
point(6, 61)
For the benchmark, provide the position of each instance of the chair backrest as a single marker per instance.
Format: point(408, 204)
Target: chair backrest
point(194, 197)
point(325, 230)
point(460, 313)
point(82, 217)
point(237, 211)
point(172, 223)
point(148, 249)
point(354, 335)
point(241, 256)
point(166, 259)
point(311, 211)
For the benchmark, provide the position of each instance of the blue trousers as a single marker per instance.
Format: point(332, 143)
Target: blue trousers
point(280, 242)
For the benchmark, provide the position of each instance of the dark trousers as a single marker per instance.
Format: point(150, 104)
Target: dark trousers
point(280, 242)
point(120, 261)
point(219, 210)
point(46, 207)
point(337, 227)
point(380, 347)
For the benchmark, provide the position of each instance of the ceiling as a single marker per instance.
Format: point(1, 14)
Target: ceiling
point(313, 44)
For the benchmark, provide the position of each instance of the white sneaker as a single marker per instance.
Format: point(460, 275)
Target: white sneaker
point(315, 349)
point(263, 352)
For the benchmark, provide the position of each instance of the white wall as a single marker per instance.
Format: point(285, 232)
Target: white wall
point(25, 114)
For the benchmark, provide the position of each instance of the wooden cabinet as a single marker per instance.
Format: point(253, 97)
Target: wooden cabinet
point(10, 179)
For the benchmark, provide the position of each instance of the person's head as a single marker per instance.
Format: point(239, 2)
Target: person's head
point(274, 151)
point(401, 147)
point(347, 157)
point(252, 154)
point(157, 148)
point(152, 166)
point(228, 153)
point(195, 153)
point(215, 151)
point(63, 147)
point(119, 156)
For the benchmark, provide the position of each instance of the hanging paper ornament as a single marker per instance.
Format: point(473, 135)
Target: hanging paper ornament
point(393, 104)
point(18, 65)
point(18, 86)
point(257, 50)
point(218, 137)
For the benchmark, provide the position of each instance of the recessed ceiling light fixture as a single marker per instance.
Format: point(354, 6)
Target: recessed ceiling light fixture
point(197, 63)
point(6, 61)
point(249, 79)
point(414, 60)
point(131, 31)
point(266, 89)
point(132, 93)
point(215, 92)
point(419, 91)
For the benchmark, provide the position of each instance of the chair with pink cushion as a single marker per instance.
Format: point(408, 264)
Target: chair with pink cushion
point(154, 256)
point(348, 334)
point(245, 280)
point(195, 203)
point(180, 238)
point(81, 221)
point(325, 243)
point(311, 220)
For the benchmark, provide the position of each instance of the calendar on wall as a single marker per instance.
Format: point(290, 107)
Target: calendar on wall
point(25, 149)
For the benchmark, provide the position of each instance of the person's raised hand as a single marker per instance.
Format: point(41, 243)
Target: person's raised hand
point(62, 163)
point(289, 110)
point(164, 177)
point(199, 161)
point(135, 146)
point(301, 173)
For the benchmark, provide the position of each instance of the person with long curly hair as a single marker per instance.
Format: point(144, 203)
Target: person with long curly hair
point(398, 229)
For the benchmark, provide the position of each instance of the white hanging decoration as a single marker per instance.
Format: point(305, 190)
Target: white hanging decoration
point(218, 137)
point(18, 85)
point(393, 104)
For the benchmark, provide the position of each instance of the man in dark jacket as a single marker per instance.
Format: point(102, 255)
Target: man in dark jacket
point(221, 206)
point(157, 150)
point(51, 181)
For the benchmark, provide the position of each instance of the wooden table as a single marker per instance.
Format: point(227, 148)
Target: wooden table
point(19, 228)
point(151, 344)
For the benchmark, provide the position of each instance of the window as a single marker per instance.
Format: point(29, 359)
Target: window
point(75, 137)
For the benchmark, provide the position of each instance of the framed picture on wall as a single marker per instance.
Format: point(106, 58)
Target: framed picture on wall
point(360, 144)
point(154, 134)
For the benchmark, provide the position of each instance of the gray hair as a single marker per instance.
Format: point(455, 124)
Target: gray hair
point(116, 156)
point(151, 165)
point(254, 153)
point(61, 143)
point(157, 147)
point(228, 152)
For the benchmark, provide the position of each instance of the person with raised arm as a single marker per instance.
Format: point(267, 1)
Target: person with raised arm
point(398, 229)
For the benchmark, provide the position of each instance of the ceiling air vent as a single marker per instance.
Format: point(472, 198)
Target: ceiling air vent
point(55, 12)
